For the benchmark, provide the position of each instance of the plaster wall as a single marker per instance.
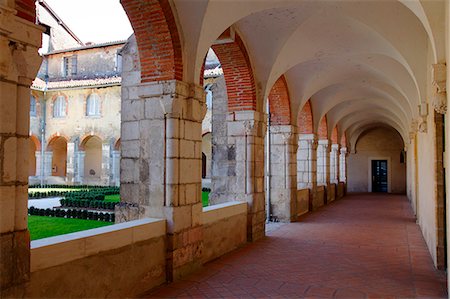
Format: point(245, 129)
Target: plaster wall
point(91, 63)
point(93, 158)
point(379, 143)
point(76, 123)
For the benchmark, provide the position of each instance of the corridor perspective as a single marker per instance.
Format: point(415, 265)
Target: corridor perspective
point(363, 246)
point(328, 117)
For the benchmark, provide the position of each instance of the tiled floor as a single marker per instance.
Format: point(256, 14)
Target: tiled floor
point(364, 246)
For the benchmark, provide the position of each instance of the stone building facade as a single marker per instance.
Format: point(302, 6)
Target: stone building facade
point(75, 116)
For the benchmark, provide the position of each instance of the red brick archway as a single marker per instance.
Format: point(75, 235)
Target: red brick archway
point(322, 131)
point(157, 38)
point(279, 103)
point(334, 136)
point(305, 119)
point(238, 74)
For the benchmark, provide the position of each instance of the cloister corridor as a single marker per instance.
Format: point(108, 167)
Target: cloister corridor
point(363, 246)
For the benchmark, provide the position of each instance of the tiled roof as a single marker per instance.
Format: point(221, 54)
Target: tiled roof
point(39, 84)
point(91, 46)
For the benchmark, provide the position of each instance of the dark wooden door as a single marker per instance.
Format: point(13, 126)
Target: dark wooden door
point(379, 176)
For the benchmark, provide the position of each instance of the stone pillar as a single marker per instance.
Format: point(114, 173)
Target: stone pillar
point(38, 156)
point(221, 160)
point(115, 168)
point(323, 165)
point(19, 63)
point(343, 165)
point(48, 156)
point(106, 176)
point(71, 162)
point(334, 164)
point(246, 130)
point(79, 175)
point(283, 173)
point(161, 165)
point(306, 161)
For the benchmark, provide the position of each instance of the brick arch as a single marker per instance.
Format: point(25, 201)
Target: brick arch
point(334, 136)
point(36, 141)
point(343, 140)
point(279, 103)
point(305, 119)
point(157, 39)
point(322, 131)
point(117, 144)
point(85, 139)
point(55, 136)
point(238, 74)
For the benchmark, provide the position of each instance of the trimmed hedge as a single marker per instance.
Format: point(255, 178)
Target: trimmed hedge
point(95, 193)
point(72, 213)
point(82, 203)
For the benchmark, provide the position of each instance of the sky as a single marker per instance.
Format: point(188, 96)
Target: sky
point(94, 21)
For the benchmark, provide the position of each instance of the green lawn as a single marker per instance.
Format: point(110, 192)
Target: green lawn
point(112, 198)
point(205, 198)
point(43, 227)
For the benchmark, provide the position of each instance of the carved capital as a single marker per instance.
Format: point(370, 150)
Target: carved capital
point(423, 127)
point(439, 81)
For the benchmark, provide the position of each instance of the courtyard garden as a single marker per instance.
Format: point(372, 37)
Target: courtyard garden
point(60, 209)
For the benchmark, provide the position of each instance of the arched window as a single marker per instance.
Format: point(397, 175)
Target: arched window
point(32, 106)
point(93, 105)
point(59, 107)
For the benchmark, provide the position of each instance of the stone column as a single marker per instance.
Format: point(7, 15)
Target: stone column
point(48, 156)
point(38, 156)
point(79, 175)
point(71, 162)
point(283, 172)
point(115, 168)
point(106, 164)
point(19, 63)
point(343, 165)
point(323, 165)
point(306, 161)
point(334, 164)
point(161, 165)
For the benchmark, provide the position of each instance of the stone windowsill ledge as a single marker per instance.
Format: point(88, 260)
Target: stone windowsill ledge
point(222, 211)
point(53, 251)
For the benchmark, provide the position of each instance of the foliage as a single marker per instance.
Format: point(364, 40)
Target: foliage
point(72, 213)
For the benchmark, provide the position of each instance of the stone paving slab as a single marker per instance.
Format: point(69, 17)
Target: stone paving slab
point(364, 246)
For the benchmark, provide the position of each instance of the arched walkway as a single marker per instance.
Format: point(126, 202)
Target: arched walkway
point(364, 246)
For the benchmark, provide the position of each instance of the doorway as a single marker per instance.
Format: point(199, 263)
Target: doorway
point(379, 176)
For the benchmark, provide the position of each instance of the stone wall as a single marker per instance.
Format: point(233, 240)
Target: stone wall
point(302, 201)
point(224, 229)
point(115, 262)
point(331, 192)
point(319, 199)
point(340, 190)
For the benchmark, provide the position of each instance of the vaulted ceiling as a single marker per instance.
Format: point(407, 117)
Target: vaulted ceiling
point(362, 63)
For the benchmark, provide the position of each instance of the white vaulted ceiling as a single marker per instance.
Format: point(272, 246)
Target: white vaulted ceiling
point(360, 62)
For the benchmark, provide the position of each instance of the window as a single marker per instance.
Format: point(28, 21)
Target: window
point(32, 106)
point(93, 105)
point(118, 62)
point(59, 107)
point(69, 66)
point(65, 67)
point(73, 70)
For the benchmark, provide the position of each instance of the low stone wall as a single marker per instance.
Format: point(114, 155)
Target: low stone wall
point(319, 199)
point(340, 190)
point(224, 229)
point(302, 202)
point(122, 260)
point(331, 192)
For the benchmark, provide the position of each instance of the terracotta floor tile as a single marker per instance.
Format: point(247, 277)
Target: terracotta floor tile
point(364, 246)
